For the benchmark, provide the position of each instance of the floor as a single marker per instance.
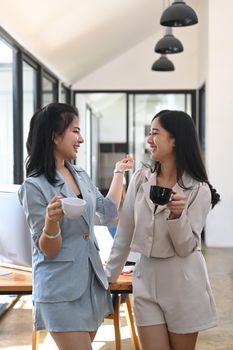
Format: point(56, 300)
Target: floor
point(15, 325)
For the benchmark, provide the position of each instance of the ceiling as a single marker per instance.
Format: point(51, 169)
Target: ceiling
point(75, 37)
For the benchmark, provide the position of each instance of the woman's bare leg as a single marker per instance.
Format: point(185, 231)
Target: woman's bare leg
point(72, 340)
point(183, 341)
point(154, 337)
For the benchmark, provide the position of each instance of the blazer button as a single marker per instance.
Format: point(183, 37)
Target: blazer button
point(86, 236)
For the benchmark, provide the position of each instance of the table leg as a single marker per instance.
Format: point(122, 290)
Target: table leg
point(35, 339)
point(116, 320)
point(130, 321)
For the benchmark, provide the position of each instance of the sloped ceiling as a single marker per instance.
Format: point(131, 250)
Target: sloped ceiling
point(75, 37)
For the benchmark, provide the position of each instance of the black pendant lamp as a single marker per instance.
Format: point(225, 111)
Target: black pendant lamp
point(178, 15)
point(163, 64)
point(169, 44)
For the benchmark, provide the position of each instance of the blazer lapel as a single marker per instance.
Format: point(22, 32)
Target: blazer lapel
point(67, 192)
point(151, 180)
point(64, 189)
point(84, 190)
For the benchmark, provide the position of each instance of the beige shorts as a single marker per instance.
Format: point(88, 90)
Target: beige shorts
point(173, 291)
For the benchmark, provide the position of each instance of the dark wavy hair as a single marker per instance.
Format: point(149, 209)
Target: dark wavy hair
point(52, 119)
point(187, 149)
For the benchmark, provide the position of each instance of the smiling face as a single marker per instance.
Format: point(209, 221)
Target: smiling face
point(161, 143)
point(66, 145)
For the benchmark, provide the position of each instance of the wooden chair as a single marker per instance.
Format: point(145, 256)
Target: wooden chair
point(129, 318)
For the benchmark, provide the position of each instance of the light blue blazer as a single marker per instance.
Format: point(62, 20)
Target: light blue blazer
point(65, 277)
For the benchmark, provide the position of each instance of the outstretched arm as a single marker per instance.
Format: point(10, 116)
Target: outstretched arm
point(116, 187)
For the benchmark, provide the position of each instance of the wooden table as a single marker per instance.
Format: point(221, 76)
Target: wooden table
point(19, 282)
point(16, 282)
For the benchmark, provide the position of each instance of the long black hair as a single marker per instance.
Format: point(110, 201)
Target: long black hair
point(187, 149)
point(45, 123)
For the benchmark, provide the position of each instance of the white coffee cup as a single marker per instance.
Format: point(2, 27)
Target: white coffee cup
point(73, 207)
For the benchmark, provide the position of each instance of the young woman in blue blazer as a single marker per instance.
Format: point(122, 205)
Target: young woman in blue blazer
point(70, 290)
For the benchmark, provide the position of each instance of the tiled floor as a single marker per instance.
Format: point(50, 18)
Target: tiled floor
point(15, 326)
point(220, 267)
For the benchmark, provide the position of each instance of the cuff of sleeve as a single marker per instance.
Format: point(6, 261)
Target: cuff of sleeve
point(110, 210)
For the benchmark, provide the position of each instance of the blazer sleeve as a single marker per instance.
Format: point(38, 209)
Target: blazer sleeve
point(104, 207)
point(34, 204)
point(185, 232)
point(122, 240)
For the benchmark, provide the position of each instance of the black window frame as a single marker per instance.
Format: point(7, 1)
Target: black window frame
point(20, 54)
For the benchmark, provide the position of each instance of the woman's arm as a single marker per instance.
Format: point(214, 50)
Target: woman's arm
point(116, 187)
point(125, 228)
point(185, 231)
point(50, 241)
point(42, 217)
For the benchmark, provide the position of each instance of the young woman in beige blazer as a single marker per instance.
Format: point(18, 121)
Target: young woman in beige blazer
point(172, 295)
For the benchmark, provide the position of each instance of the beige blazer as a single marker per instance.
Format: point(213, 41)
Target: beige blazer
point(153, 235)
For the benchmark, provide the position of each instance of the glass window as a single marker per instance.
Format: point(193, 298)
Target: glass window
point(124, 124)
point(6, 112)
point(105, 133)
point(142, 108)
point(29, 96)
point(65, 94)
point(49, 90)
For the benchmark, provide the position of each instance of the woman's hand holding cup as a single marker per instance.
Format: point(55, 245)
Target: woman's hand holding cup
point(176, 205)
point(54, 211)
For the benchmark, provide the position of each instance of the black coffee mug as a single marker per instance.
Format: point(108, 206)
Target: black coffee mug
point(160, 195)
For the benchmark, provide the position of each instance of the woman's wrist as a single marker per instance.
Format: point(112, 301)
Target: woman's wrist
point(51, 235)
point(119, 171)
point(51, 228)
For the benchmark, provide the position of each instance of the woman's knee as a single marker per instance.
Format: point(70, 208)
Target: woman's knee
point(183, 341)
point(154, 337)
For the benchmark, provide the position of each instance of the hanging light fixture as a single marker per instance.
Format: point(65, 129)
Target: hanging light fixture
point(163, 64)
point(178, 15)
point(169, 44)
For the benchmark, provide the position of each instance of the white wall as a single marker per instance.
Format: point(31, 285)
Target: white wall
point(132, 70)
point(114, 121)
point(203, 33)
point(219, 140)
